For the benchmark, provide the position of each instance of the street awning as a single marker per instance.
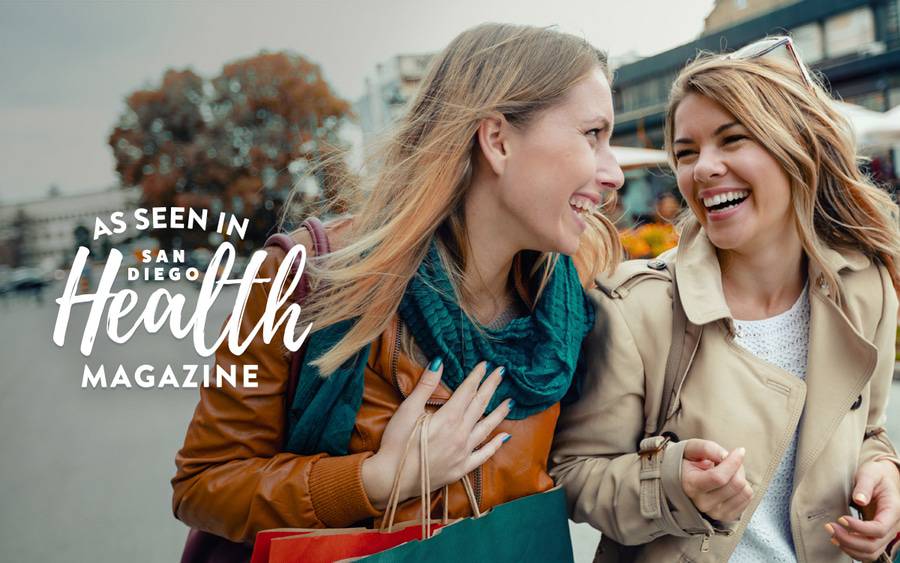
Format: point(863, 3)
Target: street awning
point(631, 157)
point(872, 128)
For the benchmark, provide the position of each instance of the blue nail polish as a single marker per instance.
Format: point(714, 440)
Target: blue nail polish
point(502, 370)
point(435, 364)
point(512, 404)
point(508, 436)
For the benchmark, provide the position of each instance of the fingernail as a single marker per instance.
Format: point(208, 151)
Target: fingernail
point(861, 498)
point(511, 404)
point(843, 521)
point(435, 364)
point(501, 370)
point(830, 529)
point(487, 368)
point(741, 451)
point(506, 438)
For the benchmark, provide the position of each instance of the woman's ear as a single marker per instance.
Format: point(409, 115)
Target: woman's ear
point(493, 141)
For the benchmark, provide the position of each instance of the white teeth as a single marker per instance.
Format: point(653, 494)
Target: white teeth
point(581, 203)
point(722, 198)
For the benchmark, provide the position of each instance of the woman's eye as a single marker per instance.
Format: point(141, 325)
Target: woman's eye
point(681, 155)
point(734, 138)
point(595, 133)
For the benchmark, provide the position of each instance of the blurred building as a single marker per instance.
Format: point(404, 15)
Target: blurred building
point(47, 231)
point(854, 44)
point(394, 84)
point(726, 14)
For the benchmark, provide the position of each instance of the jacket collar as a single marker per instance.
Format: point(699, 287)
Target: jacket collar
point(700, 278)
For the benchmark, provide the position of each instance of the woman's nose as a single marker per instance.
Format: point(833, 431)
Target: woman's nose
point(609, 173)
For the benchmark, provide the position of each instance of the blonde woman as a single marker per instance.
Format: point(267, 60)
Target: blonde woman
point(785, 277)
point(458, 257)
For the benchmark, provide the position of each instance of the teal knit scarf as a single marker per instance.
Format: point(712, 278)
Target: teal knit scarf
point(540, 353)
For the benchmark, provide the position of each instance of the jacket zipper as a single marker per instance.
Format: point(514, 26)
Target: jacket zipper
point(395, 357)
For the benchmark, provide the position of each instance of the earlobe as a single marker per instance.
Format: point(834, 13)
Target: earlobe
point(493, 141)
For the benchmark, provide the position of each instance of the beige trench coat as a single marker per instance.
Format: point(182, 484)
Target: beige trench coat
point(728, 396)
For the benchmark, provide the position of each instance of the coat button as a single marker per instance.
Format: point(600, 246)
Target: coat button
point(657, 265)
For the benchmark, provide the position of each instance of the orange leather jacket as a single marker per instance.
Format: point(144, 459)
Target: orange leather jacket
point(234, 480)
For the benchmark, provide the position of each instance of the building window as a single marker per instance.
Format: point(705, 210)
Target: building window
point(808, 40)
point(893, 99)
point(850, 32)
point(645, 94)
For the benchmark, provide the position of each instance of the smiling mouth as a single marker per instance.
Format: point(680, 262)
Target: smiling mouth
point(725, 201)
point(582, 205)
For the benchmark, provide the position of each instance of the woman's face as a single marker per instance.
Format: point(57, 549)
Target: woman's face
point(737, 190)
point(558, 166)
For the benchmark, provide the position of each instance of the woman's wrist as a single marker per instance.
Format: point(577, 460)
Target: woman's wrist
point(890, 462)
point(375, 482)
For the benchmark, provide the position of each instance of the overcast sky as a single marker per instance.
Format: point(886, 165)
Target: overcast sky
point(67, 66)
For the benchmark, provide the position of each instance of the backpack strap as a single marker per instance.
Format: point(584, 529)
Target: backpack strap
point(321, 245)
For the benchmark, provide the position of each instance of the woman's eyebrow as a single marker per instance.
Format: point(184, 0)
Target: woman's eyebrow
point(721, 128)
point(600, 121)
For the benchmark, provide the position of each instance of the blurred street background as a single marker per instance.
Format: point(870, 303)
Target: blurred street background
point(255, 109)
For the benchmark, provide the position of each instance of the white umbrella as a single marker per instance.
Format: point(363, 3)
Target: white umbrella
point(870, 128)
point(630, 157)
point(887, 132)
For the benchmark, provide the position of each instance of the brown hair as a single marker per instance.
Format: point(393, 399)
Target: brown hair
point(833, 202)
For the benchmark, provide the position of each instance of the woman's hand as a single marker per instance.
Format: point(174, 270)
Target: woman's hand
point(877, 488)
point(714, 480)
point(455, 431)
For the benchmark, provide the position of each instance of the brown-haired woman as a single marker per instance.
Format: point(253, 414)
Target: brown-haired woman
point(459, 253)
point(787, 280)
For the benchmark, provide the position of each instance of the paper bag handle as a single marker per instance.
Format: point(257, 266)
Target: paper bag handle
point(387, 524)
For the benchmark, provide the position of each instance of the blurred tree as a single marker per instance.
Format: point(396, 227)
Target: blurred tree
point(237, 143)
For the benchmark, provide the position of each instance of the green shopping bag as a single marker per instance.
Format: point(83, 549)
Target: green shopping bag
point(532, 528)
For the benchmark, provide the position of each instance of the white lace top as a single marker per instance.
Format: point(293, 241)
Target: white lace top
point(782, 340)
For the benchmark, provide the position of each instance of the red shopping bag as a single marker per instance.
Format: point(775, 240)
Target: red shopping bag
point(263, 542)
point(317, 545)
point(339, 544)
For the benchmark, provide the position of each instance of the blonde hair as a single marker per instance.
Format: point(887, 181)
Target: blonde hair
point(415, 186)
point(834, 203)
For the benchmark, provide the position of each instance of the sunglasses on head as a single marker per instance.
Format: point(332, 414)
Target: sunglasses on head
point(781, 47)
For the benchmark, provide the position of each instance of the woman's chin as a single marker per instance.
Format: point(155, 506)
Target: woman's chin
point(726, 241)
point(568, 246)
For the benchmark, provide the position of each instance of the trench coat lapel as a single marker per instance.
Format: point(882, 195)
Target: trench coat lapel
point(840, 361)
point(839, 365)
point(700, 279)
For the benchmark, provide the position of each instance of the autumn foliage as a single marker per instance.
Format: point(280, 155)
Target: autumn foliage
point(238, 142)
point(648, 241)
